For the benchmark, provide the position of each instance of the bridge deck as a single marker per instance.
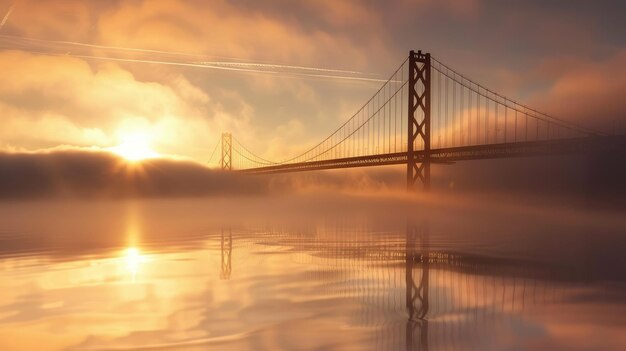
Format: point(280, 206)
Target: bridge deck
point(461, 153)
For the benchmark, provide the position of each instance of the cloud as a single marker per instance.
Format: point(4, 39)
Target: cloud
point(463, 9)
point(325, 36)
point(68, 172)
point(587, 92)
point(85, 102)
point(49, 19)
point(81, 104)
point(91, 173)
point(78, 173)
point(88, 94)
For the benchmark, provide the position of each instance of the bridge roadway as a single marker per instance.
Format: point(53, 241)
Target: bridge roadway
point(594, 144)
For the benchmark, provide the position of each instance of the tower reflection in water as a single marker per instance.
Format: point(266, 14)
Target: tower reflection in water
point(415, 295)
point(417, 292)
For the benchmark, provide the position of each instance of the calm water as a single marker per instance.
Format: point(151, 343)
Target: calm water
point(285, 274)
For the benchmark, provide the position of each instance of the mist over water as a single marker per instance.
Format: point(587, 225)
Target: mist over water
point(316, 271)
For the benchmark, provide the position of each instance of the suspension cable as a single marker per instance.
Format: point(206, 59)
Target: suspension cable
point(558, 120)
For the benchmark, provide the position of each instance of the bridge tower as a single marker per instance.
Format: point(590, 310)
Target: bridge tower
point(418, 170)
point(227, 151)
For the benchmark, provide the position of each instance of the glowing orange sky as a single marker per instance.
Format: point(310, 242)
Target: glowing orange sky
point(260, 70)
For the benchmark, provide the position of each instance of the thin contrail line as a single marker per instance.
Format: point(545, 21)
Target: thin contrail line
point(225, 68)
point(213, 63)
point(271, 65)
point(6, 17)
point(96, 46)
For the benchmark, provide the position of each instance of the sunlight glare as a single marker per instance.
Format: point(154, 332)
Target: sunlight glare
point(133, 260)
point(135, 147)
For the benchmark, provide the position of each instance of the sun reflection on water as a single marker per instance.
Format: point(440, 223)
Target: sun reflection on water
point(133, 260)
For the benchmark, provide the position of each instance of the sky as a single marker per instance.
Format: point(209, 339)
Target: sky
point(280, 75)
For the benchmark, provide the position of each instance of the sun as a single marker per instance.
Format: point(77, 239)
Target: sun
point(135, 147)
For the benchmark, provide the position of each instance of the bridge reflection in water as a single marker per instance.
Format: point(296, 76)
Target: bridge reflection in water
point(415, 296)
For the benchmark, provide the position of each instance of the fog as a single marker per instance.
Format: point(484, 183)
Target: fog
point(589, 181)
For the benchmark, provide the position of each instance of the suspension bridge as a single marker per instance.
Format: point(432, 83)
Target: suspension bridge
point(427, 113)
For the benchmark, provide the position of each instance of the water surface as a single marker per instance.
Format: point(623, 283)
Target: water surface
point(301, 275)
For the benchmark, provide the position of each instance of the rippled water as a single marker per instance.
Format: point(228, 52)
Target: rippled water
point(200, 275)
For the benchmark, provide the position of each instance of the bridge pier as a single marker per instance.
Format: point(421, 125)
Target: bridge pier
point(418, 170)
